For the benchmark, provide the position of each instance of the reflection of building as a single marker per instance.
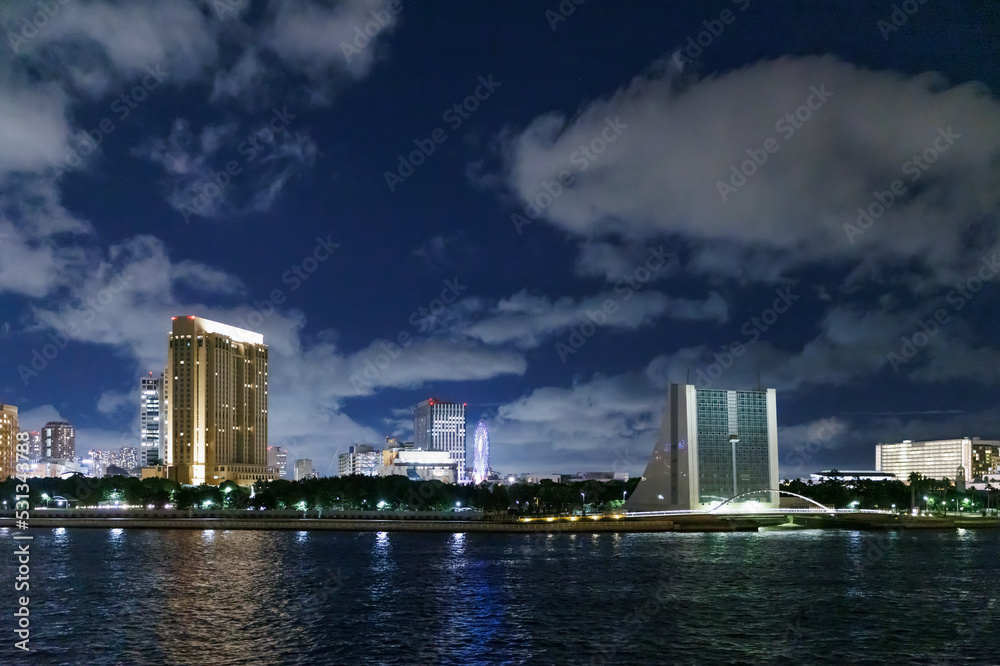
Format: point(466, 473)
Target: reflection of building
point(150, 389)
point(58, 441)
point(215, 403)
point(304, 469)
point(713, 445)
point(940, 459)
point(419, 465)
point(440, 426)
point(8, 440)
point(359, 459)
point(277, 459)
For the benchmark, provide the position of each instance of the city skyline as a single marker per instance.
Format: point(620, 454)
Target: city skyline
point(551, 229)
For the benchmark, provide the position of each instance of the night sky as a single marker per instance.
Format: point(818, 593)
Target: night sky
point(557, 212)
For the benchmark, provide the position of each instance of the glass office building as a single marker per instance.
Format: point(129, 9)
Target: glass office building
point(714, 445)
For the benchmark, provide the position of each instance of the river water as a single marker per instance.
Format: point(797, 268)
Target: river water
point(113, 596)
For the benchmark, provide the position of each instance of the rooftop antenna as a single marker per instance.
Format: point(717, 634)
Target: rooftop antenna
point(689, 375)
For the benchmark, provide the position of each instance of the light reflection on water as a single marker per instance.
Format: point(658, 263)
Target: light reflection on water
point(260, 597)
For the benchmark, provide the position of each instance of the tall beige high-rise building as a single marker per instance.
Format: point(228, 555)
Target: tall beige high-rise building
point(215, 404)
point(8, 441)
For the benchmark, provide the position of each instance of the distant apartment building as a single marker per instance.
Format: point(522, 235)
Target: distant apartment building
point(58, 441)
point(150, 441)
point(969, 457)
point(360, 459)
point(277, 459)
point(34, 441)
point(304, 469)
point(440, 426)
point(8, 441)
point(713, 445)
point(215, 404)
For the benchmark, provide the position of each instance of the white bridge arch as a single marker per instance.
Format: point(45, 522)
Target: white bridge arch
point(772, 490)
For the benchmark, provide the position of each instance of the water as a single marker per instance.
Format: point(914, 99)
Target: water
point(272, 597)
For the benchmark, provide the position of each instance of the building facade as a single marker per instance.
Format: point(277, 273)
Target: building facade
point(8, 441)
point(713, 445)
point(419, 465)
point(277, 459)
point(58, 441)
point(360, 459)
point(150, 443)
point(215, 404)
point(34, 439)
point(440, 426)
point(971, 457)
point(304, 469)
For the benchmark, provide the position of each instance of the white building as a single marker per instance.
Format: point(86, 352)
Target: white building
point(440, 426)
point(150, 443)
point(713, 445)
point(939, 459)
point(419, 465)
point(360, 459)
point(304, 469)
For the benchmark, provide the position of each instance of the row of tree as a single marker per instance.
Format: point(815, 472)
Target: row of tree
point(941, 494)
point(349, 493)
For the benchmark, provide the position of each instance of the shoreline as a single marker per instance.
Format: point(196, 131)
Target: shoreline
point(453, 522)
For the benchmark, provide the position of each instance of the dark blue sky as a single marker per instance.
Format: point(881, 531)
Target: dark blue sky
point(140, 226)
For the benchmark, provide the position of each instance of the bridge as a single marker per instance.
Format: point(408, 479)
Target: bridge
point(728, 507)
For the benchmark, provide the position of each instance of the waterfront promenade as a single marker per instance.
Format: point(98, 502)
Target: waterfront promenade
point(469, 521)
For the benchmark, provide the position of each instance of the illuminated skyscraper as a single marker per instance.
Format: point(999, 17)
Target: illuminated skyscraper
point(150, 444)
point(713, 445)
point(58, 441)
point(8, 440)
point(215, 404)
point(440, 426)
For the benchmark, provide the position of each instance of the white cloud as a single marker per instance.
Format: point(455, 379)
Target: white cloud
point(659, 177)
point(527, 320)
point(317, 38)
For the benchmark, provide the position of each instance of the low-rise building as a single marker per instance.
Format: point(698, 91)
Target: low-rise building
point(360, 459)
point(419, 465)
point(971, 457)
